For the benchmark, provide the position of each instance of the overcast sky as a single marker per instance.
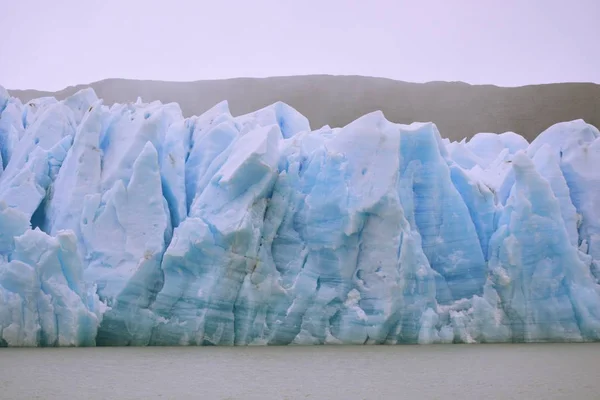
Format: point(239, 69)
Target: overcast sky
point(53, 44)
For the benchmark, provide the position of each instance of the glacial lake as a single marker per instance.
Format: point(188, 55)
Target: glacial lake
point(472, 372)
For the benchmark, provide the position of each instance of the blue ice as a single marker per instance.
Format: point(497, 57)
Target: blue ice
point(129, 224)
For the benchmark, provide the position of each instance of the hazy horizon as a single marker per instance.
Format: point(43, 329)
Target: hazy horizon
point(51, 46)
point(86, 84)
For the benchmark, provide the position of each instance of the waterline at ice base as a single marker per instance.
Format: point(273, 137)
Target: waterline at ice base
point(132, 225)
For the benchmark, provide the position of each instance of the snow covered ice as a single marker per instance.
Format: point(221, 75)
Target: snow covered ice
point(132, 225)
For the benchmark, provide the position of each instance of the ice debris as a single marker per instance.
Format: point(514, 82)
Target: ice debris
point(132, 225)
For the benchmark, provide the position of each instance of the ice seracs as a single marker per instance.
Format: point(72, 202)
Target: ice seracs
point(132, 225)
point(43, 298)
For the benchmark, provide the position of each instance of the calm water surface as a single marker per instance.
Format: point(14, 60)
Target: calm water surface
point(475, 372)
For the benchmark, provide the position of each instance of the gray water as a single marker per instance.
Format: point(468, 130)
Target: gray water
point(468, 372)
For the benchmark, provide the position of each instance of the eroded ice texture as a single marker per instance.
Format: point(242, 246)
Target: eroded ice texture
point(132, 225)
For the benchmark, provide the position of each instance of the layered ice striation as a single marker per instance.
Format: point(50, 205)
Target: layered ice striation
point(132, 225)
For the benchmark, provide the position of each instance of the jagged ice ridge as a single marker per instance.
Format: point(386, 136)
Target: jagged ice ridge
point(132, 225)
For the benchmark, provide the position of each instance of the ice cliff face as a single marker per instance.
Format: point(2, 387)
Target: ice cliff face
point(131, 225)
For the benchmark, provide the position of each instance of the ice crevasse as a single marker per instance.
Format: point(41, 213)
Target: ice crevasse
point(132, 225)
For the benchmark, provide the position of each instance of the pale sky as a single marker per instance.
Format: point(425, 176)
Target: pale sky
point(51, 44)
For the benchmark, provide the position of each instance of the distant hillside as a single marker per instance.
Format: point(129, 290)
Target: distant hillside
point(459, 109)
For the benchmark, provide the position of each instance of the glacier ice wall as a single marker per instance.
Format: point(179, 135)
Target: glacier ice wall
point(132, 225)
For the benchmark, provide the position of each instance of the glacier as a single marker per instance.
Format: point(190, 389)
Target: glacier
point(131, 224)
